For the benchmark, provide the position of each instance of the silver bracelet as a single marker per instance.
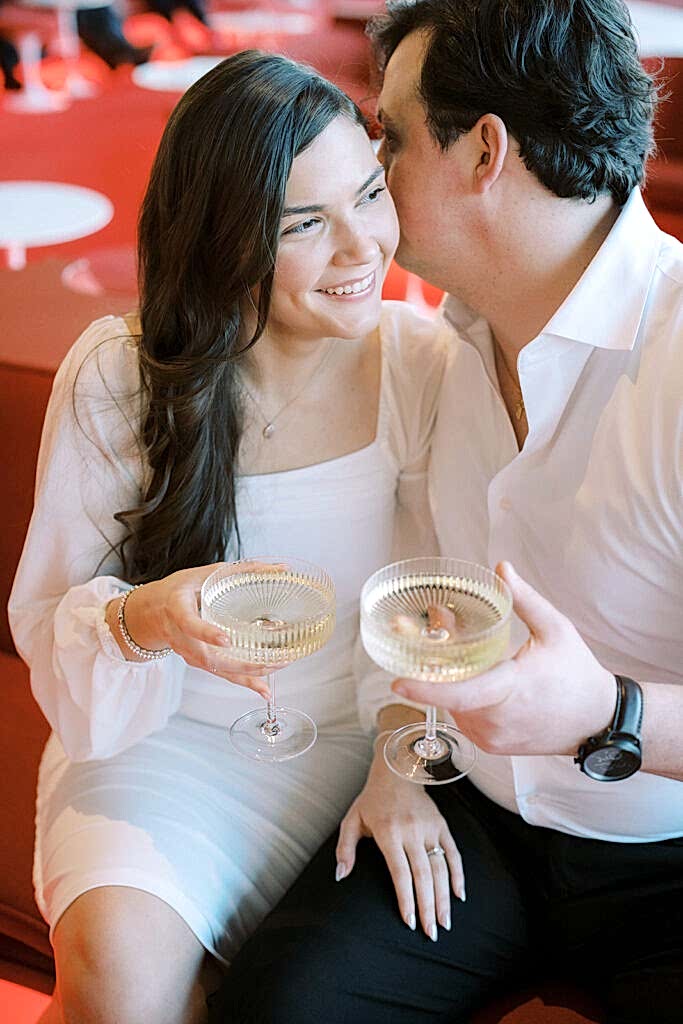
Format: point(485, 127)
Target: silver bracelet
point(142, 652)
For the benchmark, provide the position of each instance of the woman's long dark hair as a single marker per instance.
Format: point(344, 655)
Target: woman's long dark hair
point(208, 235)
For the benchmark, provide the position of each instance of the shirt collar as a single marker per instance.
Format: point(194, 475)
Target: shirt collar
point(605, 307)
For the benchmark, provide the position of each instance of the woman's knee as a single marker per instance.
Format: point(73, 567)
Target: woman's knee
point(124, 957)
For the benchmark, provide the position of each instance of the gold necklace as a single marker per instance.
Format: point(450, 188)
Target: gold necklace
point(520, 409)
point(269, 428)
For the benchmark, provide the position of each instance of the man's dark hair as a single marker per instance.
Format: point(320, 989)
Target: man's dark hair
point(563, 75)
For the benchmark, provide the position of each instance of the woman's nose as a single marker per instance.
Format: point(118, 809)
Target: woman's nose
point(356, 246)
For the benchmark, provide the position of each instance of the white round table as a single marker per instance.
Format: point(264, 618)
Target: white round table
point(47, 213)
point(173, 75)
point(658, 29)
point(265, 22)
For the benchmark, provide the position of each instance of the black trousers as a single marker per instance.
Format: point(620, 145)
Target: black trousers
point(609, 915)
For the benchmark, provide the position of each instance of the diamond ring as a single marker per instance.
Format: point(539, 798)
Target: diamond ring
point(436, 851)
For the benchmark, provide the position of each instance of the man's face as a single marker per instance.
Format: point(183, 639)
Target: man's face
point(426, 183)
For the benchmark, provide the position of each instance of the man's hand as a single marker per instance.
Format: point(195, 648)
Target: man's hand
point(547, 699)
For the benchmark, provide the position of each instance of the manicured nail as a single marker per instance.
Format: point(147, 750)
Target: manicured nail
point(433, 933)
point(447, 922)
point(341, 871)
point(410, 921)
point(399, 688)
point(462, 895)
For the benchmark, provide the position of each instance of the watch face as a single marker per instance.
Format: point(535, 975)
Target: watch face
point(611, 763)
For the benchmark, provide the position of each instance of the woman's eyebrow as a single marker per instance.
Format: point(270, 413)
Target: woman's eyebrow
point(288, 210)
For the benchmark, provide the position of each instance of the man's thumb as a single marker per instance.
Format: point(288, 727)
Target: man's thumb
point(538, 614)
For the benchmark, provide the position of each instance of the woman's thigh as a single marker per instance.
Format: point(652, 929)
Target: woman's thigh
point(340, 952)
point(123, 956)
point(183, 818)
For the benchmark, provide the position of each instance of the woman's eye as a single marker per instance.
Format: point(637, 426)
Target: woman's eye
point(303, 228)
point(372, 197)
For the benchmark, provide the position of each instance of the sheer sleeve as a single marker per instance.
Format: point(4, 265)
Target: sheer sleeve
point(414, 362)
point(89, 468)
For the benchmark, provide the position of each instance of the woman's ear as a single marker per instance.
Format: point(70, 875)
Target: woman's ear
point(490, 138)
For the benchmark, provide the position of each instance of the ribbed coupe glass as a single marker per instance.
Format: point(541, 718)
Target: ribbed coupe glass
point(435, 620)
point(275, 614)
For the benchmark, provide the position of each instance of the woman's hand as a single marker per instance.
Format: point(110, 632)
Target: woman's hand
point(405, 823)
point(165, 613)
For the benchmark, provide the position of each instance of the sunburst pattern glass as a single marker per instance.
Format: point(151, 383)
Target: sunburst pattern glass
point(435, 620)
point(275, 614)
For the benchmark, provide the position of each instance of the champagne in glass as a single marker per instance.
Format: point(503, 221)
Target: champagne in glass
point(435, 620)
point(274, 611)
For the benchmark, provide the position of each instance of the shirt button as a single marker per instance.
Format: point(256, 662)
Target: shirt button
point(505, 504)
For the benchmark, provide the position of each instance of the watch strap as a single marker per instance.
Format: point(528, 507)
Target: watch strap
point(628, 714)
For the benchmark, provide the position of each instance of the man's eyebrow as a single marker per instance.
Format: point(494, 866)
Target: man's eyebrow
point(289, 210)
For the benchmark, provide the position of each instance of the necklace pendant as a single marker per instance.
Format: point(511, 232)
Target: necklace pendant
point(268, 430)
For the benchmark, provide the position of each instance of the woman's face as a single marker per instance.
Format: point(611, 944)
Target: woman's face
point(337, 238)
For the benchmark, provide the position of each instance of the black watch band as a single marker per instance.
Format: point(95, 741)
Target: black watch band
point(628, 714)
point(615, 753)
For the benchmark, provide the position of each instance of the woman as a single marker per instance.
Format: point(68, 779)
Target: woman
point(265, 403)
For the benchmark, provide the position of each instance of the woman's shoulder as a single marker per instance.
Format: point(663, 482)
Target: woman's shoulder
point(414, 345)
point(104, 357)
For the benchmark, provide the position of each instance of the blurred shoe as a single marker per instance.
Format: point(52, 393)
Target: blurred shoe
point(9, 58)
point(126, 54)
point(101, 31)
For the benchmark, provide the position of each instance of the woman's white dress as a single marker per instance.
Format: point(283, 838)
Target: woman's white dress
point(139, 785)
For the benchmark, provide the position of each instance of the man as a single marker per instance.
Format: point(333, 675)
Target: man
point(516, 135)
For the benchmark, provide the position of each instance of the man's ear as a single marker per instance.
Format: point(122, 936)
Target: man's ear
point(490, 140)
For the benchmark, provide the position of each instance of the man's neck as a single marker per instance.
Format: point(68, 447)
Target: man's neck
point(535, 267)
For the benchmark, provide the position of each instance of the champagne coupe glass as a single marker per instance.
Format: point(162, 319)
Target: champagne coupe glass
point(436, 620)
point(275, 611)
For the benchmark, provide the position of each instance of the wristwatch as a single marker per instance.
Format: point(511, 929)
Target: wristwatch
point(615, 753)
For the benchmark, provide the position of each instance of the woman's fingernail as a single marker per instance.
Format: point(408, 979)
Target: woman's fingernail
point(433, 933)
point(410, 921)
point(447, 923)
point(399, 688)
point(462, 895)
point(341, 872)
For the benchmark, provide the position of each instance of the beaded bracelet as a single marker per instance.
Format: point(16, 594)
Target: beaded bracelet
point(142, 652)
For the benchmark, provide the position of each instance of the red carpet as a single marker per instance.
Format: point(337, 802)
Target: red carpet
point(20, 1005)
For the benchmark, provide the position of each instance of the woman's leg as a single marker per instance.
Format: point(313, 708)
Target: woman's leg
point(125, 957)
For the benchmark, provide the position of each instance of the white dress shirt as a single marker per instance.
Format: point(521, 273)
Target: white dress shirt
point(590, 512)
